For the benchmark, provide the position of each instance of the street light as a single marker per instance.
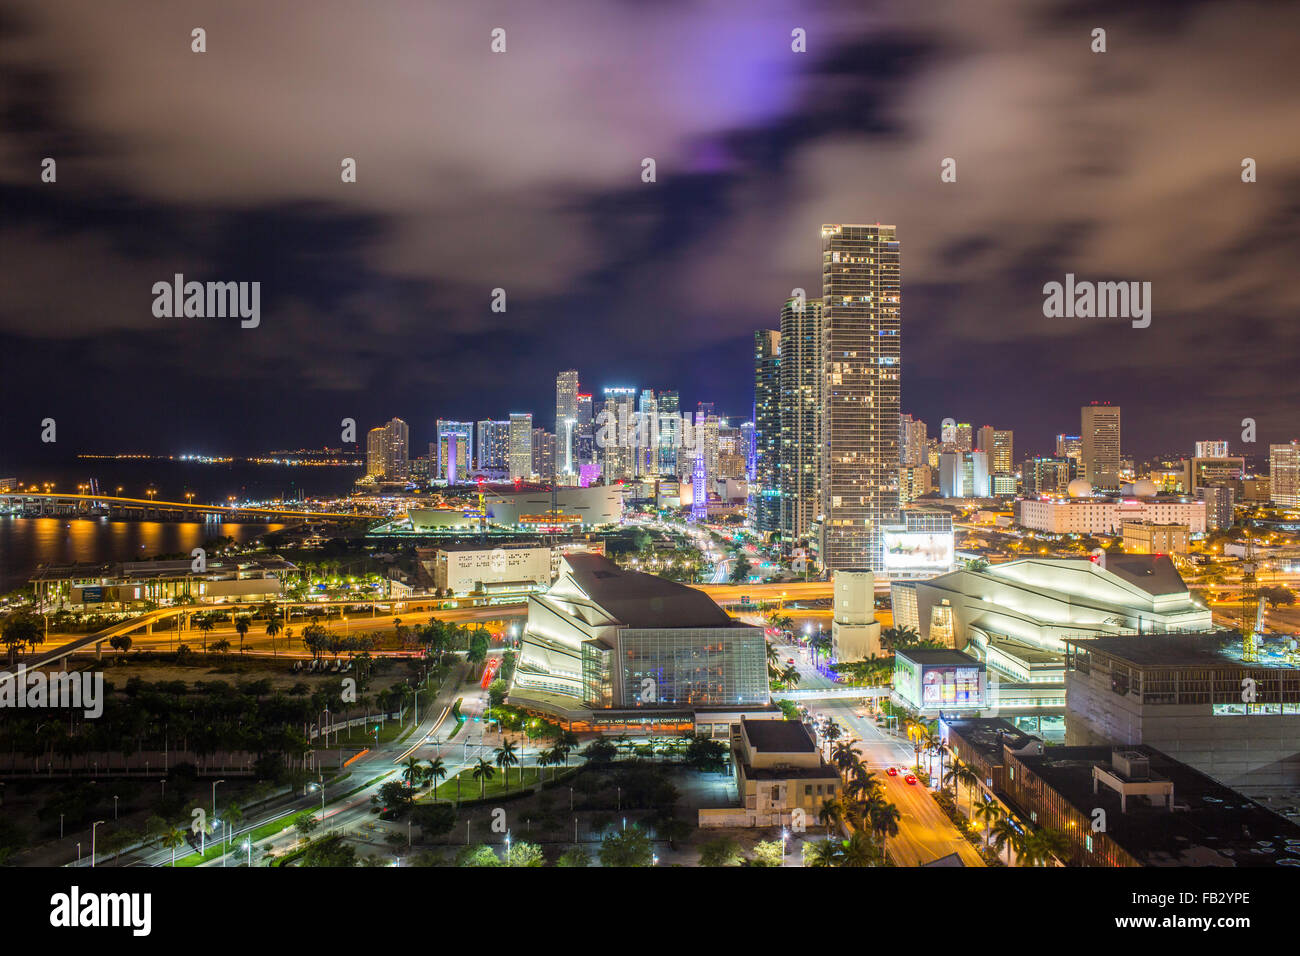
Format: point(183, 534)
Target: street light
point(92, 842)
point(214, 798)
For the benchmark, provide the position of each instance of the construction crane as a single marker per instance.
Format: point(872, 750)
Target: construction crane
point(1250, 596)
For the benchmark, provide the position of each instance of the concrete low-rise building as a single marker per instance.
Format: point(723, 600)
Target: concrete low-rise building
point(1195, 698)
point(781, 778)
point(1106, 515)
point(1147, 537)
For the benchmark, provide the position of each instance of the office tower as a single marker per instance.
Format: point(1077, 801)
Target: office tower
point(585, 440)
point(566, 417)
point(386, 450)
point(948, 434)
point(964, 474)
point(1284, 474)
point(521, 445)
point(731, 451)
point(997, 443)
point(1211, 449)
point(1069, 446)
point(376, 452)
point(670, 433)
point(703, 410)
point(802, 386)
point(616, 432)
point(965, 439)
point(1100, 432)
point(709, 433)
point(493, 445)
point(543, 454)
point(454, 451)
point(862, 318)
point(1219, 501)
point(647, 434)
point(912, 436)
point(566, 396)
point(765, 491)
point(1045, 475)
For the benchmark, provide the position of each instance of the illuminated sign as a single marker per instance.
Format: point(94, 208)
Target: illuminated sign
point(550, 519)
point(951, 686)
point(919, 550)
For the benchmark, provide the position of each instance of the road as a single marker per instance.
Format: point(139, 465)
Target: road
point(924, 832)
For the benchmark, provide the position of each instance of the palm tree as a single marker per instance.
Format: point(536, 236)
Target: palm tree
point(546, 758)
point(1044, 846)
point(864, 785)
point(1007, 834)
point(858, 850)
point(972, 780)
point(832, 732)
point(507, 758)
point(273, 627)
point(822, 853)
point(884, 819)
point(241, 628)
point(413, 773)
point(435, 770)
point(205, 624)
point(953, 776)
point(831, 813)
point(483, 772)
point(845, 756)
point(173, 838)
point(988, 811)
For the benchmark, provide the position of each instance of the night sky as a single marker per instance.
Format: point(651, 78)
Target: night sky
point(522, 170)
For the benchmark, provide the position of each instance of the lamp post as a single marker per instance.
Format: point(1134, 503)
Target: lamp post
point(214, 797)
point(92, 841)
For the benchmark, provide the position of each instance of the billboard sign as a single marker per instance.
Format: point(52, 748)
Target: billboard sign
point(949, 686)
point(928, 552)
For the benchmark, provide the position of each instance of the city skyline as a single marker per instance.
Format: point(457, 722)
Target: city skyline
point(381, 290)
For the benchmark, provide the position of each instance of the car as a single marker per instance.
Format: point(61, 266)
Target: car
point(910, 778)
point(892, 771)
point(789, 660)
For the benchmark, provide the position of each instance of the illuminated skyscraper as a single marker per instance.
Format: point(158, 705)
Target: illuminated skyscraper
point(1284, 474)
point(521, 445)
point(862, 319)
point(1101, 442)
point(999, 444)
point(566, 410)
point(764, 489)
point(670, 432)
point(616, 432)
point(387, 450)
point(492, 445)
point(801, 385)
point(455, 450)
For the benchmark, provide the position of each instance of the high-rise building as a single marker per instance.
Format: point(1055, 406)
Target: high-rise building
point(387, 450)
point(543, 454)
point(998, 443)
point(1219, 502)
point(764, 490)
point(616, 434)
point(1211, 449)
point(493, 445)
point(802, 386)
point(964, 474)
point(1070, 446)
point(376, 452)
point(521, 445)
point(862, 318)
point(1100, 431)
point(566, 417)
point(647, 447)
point(670, 432)
point(455, 450)
point(1284, 473)
point(912, 436)
point(965, 437)
point(566, 396)
point(585, 442)
point(1043, 476)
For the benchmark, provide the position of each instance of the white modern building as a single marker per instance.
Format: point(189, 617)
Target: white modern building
point(474, 568)
point(1040, 602)
point(607, 648)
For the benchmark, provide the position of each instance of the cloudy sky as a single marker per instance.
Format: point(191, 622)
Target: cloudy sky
point(522, 170)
